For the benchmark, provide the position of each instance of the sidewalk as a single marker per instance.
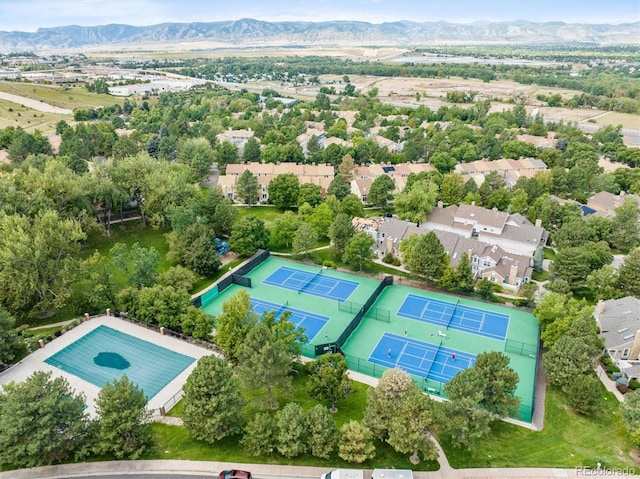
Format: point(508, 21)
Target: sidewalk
point(176, 468)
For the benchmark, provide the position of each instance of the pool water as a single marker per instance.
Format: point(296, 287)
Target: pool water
point(105, 354)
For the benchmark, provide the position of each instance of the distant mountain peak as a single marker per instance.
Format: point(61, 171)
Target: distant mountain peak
point(249, 31)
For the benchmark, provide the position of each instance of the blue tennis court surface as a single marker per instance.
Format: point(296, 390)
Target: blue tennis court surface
point(455, 316)
point(425, 360)
point(311, 323)
point(318, 284)
point(105, 354)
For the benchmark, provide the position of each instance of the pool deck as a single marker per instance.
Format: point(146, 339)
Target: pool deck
point(35, 361)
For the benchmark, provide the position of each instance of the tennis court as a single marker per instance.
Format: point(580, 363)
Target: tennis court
point(455, 316)
point(425, 360)
point(317, 284)
point(311, 323)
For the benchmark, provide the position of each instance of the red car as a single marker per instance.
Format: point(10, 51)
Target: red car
point(234, 474)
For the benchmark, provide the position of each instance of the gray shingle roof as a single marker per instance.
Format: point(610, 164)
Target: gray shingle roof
point(619, 321)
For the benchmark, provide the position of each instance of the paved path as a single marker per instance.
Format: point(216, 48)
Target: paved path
point(176, 468)
point(34, 104)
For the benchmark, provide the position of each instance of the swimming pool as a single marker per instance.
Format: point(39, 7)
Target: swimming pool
point(105, 354)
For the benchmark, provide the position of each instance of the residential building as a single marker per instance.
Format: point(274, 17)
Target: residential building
point(239, 138)
point(511, 232)
point(364, 175)
point(320, 175)
point(605, 203)
point(509, 170)
point(488, 261)
point(619, 324)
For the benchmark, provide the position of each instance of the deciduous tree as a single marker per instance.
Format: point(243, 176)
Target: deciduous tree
point(380, 191)
point(359, 249)
point(340, 233)
point(329, 381)
point(248, 236)
point(629, 274)
point(409, 427)
point(310, 193)
point(424, 255)
point(234, 323)
point(339, 187)
point(630, 409)
point(382, 401)
point(37, 260)
point(416, 203)
point(304, 240)
point(284, 191)
point(285, 228)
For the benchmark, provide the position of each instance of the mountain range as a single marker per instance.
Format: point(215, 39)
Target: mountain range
point(249, 32)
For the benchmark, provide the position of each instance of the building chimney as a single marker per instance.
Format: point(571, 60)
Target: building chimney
point(599, 308)
point(635, 347)
point(440, 204)
point(538, 223)
point(513, 273)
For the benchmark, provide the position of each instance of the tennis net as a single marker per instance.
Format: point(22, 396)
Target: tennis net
point(433, 360)
point(452, 313)
point(281, 309)
point(309, 282)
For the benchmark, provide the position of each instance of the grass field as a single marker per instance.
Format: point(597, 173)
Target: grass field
point(70, 98)
point(12, 114)
point(567, 440)
point(174, 442)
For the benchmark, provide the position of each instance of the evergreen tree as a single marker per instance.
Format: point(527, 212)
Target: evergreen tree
point(356, 443)
point(292, 430)
point(322, 430)
point(123, 427)
point(212, 400)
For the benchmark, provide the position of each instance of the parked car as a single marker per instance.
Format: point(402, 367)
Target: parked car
point(234, 474)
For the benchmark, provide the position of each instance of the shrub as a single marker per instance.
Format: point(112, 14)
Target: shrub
point(329, 264)
point(634, 384)
point(388, 258)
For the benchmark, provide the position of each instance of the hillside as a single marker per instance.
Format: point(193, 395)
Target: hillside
point(249, 32)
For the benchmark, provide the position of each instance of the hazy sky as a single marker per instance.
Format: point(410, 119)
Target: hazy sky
point(29, 15)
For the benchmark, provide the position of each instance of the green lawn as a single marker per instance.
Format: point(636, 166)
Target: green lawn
point(567, 440)
point(129, 233)
point(205, 282)
point(541, 276)
point(268, 214)
point(61, 97)
point(549, 253)
point(174, 442)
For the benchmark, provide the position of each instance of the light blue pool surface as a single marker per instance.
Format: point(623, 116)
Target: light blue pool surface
point(105, 354)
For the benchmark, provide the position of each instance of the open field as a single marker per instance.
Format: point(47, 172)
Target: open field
point(13, 114)
point(173, 51)
point(68, 98)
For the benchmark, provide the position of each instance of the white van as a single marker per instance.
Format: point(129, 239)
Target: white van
point(392, 474)
point(344, 474)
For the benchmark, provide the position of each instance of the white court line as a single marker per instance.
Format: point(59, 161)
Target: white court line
point(404, 346)
point(424, 308)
